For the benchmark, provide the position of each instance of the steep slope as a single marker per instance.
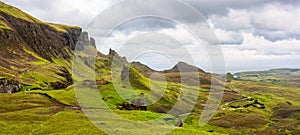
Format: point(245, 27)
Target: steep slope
point(142, 68)
point(35, 53)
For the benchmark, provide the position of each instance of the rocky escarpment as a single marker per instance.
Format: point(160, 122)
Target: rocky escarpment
point(9, 86)
point(43, 39)
point(41, 52)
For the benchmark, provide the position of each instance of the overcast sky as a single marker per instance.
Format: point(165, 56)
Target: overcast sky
point(254, 34)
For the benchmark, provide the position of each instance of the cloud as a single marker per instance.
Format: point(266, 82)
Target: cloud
point(255, 34)
point(166, 46)
point(229, 37)
point(73, 12)
point(220, 7)
point(273, 21)
point(256, 53)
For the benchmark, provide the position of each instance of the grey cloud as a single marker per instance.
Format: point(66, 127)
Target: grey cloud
point(272, 21)
point(57, 11)
point(276, 35)
point(145, 24)
point(66, 12)
point(131, 9)
point(220, 7)
point(80, 12)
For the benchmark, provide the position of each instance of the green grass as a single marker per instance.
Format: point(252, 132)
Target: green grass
point(3, 25)
point(62, 27)
point(65, 63)
point(41, 116)
point(41, 75)
point(29, 113)
point(43, 121)
point(67, 122)
point(285, 77)
point(66, 96)
point(36, 114)
point(16, 102)
point(35, 55)
point(17, 13)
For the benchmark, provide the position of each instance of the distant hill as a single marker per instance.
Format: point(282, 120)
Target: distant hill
point(184, 67)
point(176, 73)
point(36, 68)
point(283, 76)
point(142, 68)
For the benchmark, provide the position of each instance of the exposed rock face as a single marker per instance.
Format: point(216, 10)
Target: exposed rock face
point(125, 73)
point(32, 47)
point(62, 84)
point(42, 38)
point(84, 40)
point(9, 86)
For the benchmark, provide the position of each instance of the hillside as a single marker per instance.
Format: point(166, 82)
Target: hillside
point(42, 88)
point(183, 67)
point(35, 53)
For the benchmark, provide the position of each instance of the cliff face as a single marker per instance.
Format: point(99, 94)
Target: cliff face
point(43, 39)
point(39, 53)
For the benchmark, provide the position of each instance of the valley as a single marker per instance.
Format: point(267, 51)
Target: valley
point(42, 92)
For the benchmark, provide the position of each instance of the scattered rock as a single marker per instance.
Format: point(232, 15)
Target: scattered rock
point(9, 86)
point(125, 73)
point(102, 82)
point(179, 123)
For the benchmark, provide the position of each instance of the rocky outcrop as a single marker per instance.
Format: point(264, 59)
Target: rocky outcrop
point(43, 39)
point(9, 86)
point(125, 73)
point(31, 46)
point(84, 40)
point(62, 84)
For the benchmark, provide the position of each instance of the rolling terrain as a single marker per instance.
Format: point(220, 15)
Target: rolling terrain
point(38, 96)
point(283, 76)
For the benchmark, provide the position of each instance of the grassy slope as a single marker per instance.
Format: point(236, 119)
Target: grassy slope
point(17, 13)
point(32, 113)
point(140, 82)
point(36, 114)
point(61, 27)
point(230, 120)
point(36, 72)
point(256, 120)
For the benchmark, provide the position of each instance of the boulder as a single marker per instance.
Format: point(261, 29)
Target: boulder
point(9, 86)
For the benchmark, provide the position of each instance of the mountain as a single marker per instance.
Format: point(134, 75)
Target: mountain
point(142, 68)
point(39, 54)
point(36, 53)
point(36, 64)
point(184, 67)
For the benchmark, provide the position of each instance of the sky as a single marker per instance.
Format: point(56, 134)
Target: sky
point(252, 34)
